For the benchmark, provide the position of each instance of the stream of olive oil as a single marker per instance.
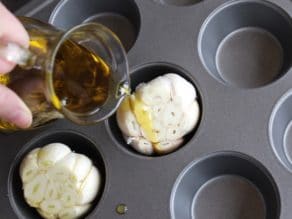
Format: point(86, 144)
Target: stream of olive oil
point(80, 80)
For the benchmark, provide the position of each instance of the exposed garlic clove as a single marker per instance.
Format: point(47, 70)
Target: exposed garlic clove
point(73, 212)
point(52, 153)
point(29, 166)
point(89, 187)
point(67, 163)
point(46, 214)
point(34, 190)
point(191, 118)
point(183, 91)
point(51, 207)
point(127, 120)
point(171, 115)
point(82, 167)
point(70, 196)
point(52, 190)
point(167, 146)
point(154, 92)
point(141, 145)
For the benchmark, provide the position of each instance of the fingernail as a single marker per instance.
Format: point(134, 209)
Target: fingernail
point(25, 121)
point(21, 118)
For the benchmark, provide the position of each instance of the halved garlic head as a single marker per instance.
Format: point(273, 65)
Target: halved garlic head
point(58, 182)
point(157, 116)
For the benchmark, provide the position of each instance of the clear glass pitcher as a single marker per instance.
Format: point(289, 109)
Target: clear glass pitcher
point(81, 74)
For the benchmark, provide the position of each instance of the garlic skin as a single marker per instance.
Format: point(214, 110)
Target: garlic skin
point(157, 116)
point(58, 182)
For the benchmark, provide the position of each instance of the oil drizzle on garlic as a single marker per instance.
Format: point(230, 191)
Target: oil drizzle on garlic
point(143, 116)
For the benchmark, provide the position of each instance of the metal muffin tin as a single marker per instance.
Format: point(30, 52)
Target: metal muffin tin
point(237, 164)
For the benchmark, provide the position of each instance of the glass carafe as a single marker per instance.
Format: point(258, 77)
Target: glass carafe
point(80, 74)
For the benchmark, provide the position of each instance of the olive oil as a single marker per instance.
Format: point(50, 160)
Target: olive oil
point(80, 80)
point(142, 114)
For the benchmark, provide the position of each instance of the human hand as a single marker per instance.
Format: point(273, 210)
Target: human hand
point(12, 108)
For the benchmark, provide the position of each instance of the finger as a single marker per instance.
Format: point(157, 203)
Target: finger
point(5, 66)
point(12, 109)
point(11, 30)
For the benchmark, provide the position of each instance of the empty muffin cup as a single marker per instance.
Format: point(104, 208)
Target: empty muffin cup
point(280, 130)
point(144, 74)
point(225, 185)
point(77, 142)
point(246, 43)
point(122, 17)
point(178, 2)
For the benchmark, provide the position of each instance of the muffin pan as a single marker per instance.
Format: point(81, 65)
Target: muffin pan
point(237, 163)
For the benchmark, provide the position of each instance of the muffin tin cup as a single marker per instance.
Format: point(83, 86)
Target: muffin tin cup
point(225, 185)
point(77, 142)
point(122, 17)
point(246, 43)
point(280, 130)
point(144, 74)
